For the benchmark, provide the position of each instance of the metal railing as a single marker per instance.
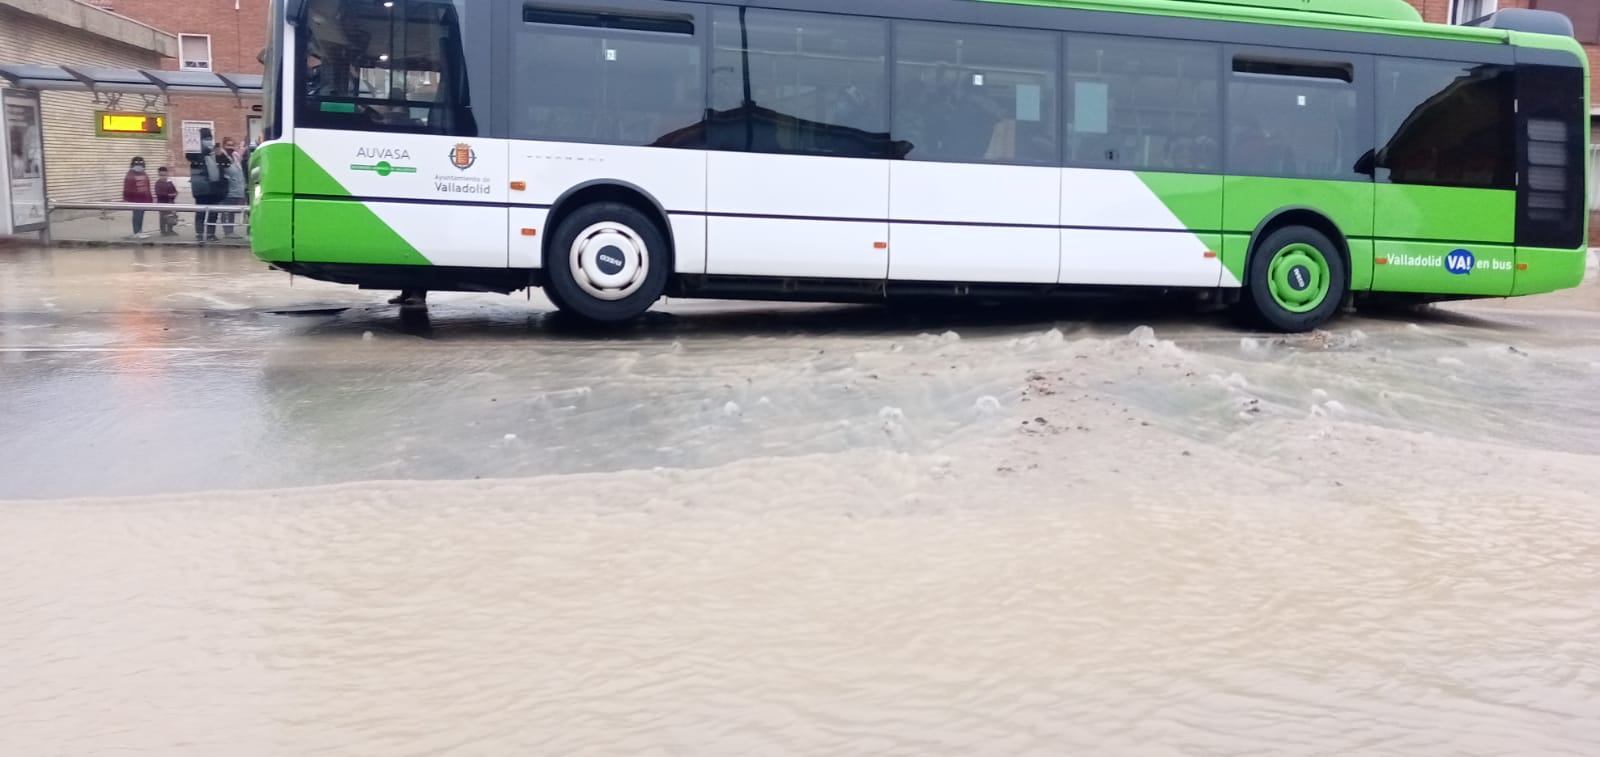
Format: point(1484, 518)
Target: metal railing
point(218, 219)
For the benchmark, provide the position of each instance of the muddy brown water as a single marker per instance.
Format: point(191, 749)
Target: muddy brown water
point(964, 535)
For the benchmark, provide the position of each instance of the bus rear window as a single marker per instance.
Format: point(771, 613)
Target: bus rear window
point(394, 66)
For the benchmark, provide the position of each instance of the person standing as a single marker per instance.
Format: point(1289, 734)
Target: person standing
point(167, 193)
point(233, 174)
point(136, 188)
point(207, 184)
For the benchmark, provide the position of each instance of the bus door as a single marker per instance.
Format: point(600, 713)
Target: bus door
point(797, 181)
point(1445, 166)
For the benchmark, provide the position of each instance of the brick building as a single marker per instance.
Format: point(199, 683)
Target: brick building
point(224, 36)
point(82, 165)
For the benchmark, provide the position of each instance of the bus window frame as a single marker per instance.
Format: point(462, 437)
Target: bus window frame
point(483, 52)
point(1363, 81)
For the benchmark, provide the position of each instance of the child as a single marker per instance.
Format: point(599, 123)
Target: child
point(167, 192)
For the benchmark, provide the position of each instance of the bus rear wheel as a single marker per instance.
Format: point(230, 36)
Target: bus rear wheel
point(608, 263)
point(1297, 280)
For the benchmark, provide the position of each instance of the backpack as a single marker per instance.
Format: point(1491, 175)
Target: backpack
point(201, 185)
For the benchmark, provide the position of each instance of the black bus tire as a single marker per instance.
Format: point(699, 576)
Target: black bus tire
point(1296, 280)
point(608, 263)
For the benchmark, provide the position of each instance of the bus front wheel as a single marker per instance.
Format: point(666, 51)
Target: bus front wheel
point(608, 263)
point(1296, 281)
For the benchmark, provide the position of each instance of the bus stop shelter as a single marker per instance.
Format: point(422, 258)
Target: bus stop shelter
point(133, 99)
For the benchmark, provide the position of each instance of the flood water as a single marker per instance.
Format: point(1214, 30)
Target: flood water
point(248, 518)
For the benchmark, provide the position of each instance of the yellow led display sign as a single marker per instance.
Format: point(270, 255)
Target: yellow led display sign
point(131, 124)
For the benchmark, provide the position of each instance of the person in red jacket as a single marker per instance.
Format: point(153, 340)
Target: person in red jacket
point(167, 192)
point(136, 188)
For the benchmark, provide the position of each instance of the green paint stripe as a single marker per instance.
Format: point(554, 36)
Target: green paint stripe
point(334, 231)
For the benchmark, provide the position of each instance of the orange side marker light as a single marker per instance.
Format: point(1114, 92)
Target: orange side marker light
point(880, 245)
point(1210, 254)
point(1381, 261)
point(530, 232)
point(519, 185)
point(1522, 266)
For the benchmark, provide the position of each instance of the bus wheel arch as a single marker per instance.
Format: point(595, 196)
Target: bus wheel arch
point(1299, 216)
point(1298, 273)
point(608, 190)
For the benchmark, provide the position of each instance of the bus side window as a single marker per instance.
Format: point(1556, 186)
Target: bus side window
point(976, 94)
point(1143, 104)
point(803, 83)
point(608, 78)
point(1294, 119)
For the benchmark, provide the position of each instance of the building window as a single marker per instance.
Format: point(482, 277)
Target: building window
point(191, 134)
point(194, 52)
point(1467, 11)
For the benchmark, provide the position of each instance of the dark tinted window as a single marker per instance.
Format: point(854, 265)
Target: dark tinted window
point(606, 78)
point(1142, 104)
point(976, 94)
point(1296, 120)
point(272, 74)
point(1445, 123)
point(800, 83)
point(395, 66)
point(1551, 205)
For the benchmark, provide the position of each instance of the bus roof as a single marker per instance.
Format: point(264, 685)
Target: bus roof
point(1383, 16)
point(1391, 10)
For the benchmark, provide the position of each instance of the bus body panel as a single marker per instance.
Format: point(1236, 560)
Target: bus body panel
point(1446, 268)
point(344, 231)
point(1156, 248)
point(1549, 270)
point(272, 201)
point(978, 223)
point(797, 215)
point(1250, 200)
point(1474, 229)
point(442, 197)
point(674, 180)
point(1117, 257)
point(528, 233)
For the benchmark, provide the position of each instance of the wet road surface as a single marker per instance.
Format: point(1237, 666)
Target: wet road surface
point(144, 372)
point(751, 529)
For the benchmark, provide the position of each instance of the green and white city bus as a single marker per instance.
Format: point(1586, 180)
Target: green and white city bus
point(1291, 156)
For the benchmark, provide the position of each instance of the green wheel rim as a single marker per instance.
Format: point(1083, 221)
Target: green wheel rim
point(1298, 278)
